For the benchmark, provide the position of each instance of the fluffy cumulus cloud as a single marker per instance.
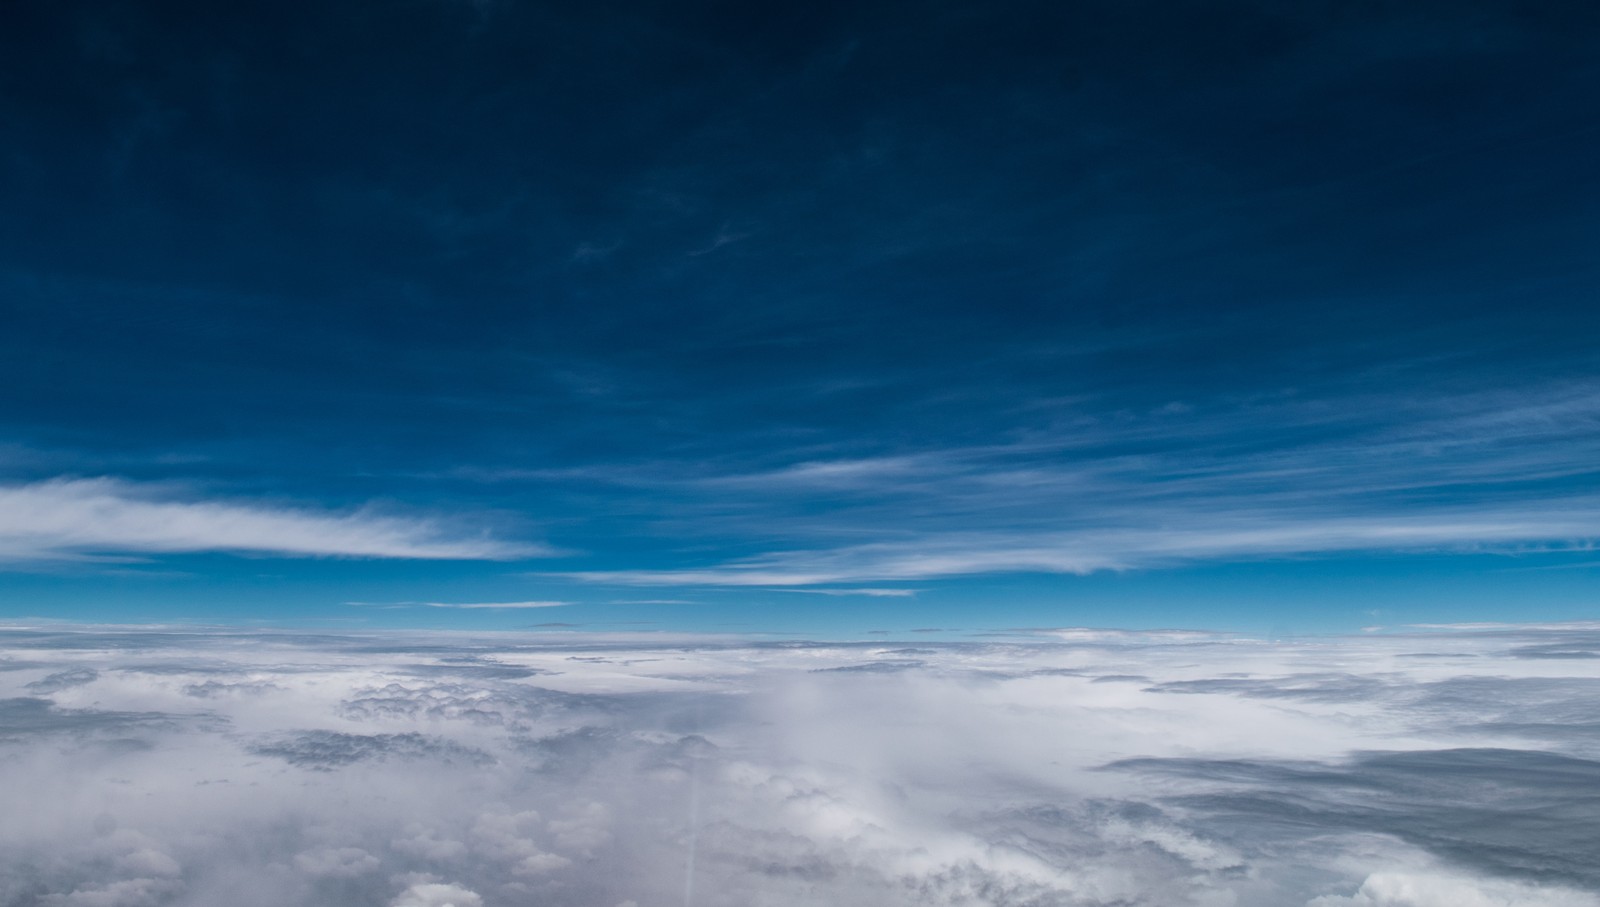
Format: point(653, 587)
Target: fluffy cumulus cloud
point(433, 894)
point(1441, 766)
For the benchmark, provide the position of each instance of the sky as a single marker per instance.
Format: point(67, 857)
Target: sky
point(829, 320)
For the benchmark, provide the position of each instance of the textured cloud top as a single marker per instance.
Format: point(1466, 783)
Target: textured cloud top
point(1448, 766)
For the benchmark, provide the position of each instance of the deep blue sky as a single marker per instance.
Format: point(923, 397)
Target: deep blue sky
point(1264, 314)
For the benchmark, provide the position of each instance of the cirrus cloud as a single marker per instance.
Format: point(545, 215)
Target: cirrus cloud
point(96, 518)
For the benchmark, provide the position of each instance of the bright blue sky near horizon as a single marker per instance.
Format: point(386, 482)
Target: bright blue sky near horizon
point(821, 320)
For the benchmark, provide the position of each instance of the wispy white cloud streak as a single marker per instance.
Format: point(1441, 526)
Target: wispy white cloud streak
point(1085, 551)
point(1500, 470)
point(496, 605)
point(75, 519)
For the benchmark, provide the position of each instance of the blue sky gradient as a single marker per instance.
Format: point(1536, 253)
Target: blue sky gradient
point(825, 320)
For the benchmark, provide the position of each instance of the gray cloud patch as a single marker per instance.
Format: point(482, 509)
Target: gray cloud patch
point(1557, 650)
point(1315, 687)
point(484, 702)
point(473, 669)
point(211, 689)
point(891, 666)
point(331, 749)
point(62, 680)
point(1554, 710)
point(24, 717)
point(1527, 813)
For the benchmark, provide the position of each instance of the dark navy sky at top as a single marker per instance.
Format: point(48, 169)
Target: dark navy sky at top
point(345, 250)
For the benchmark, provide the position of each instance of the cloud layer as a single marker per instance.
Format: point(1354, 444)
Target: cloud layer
point(1451, 766)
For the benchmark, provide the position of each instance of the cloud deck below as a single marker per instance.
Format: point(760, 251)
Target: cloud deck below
point(1446, 766)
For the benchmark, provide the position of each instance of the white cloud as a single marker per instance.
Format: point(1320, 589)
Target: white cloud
point(88, 518)
point(809, 476)
point(422, 844)
point(336, 862)
point(1441, 889)
point(125, 893)
point(149, 862)
point(508, 837)
point(497, 605)
point(586, 828)
point(435, 894)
